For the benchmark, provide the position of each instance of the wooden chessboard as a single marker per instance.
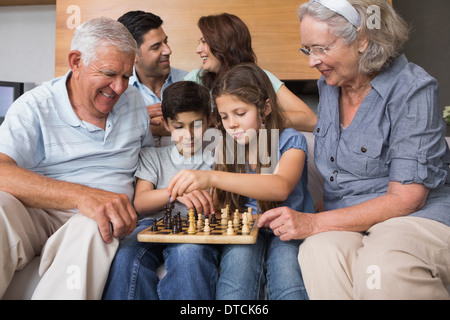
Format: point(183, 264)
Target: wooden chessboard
point(217, 235)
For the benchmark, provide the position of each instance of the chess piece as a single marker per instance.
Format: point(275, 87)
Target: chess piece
point(224, 215)
point(154, 227)
point(175, 229)
point(236, 220)
point(213, 218)
point(192, 229)
point(207, 229)
point(178, 222)
point(245, 229)
point(249, 214)
point(200, 221)
point(230, 230)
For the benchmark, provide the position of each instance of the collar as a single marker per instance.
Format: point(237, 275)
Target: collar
point(62, 102)
point(134, 79)
point(382, 83)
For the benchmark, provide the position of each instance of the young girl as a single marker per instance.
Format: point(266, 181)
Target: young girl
point(246, 104)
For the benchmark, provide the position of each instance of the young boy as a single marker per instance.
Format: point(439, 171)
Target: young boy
point(191, 268)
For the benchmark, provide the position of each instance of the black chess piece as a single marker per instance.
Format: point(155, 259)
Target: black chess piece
point(154, 227)
point(175, 229)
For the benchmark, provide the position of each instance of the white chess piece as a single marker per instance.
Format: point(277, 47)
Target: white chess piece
point(207, 229)
point(230, 230)
point(245, 229)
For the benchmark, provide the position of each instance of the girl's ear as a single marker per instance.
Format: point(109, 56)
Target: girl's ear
point(267, 107)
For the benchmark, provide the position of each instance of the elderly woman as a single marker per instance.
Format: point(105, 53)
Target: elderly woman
point(379, 144)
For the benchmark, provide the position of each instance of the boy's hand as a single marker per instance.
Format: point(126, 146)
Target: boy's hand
point(200, 200)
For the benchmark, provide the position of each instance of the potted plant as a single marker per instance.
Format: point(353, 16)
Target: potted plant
point(447, 120)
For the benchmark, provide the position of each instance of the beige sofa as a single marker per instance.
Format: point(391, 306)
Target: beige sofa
point(24, 281)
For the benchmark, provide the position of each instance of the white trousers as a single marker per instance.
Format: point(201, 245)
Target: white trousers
point(75, 260)
point(401, 258)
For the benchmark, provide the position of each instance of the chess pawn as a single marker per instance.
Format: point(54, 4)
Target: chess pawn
point(200, 222)
point(245, 229)
point(230, 230)
point(154, 227)
point(207, 229)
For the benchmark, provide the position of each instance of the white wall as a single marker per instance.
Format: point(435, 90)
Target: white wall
point(27, 43)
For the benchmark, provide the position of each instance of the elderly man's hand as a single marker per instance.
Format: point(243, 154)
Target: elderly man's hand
point(113, 213)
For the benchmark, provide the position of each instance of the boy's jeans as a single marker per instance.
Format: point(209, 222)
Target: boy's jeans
point(191, 270)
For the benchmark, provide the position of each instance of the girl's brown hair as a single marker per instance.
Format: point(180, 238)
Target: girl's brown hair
point(230, 42)
point(250, 84)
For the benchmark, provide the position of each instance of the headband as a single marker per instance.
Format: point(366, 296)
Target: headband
point(344, 8)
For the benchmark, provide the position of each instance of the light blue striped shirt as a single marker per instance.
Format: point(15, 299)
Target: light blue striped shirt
point(43, 134)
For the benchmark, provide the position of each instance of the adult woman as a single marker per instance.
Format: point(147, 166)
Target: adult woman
point(225, 41)
point(381, 149)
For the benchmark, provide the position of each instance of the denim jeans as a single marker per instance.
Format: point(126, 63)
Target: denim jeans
point(246, 269)
point(192, 270)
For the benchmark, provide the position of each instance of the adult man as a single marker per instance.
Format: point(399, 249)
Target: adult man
point(152, 72)
point(68, 153)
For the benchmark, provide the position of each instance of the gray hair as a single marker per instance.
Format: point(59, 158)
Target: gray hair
point(101, 31)
point(385, 42)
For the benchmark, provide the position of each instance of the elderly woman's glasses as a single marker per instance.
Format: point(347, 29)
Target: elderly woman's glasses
point(316, 50)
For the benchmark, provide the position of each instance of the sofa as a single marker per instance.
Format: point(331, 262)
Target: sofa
point(25, 280)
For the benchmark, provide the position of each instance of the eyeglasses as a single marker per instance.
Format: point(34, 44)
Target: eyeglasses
point(316, 50)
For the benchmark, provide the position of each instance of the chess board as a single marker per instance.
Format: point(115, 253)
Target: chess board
point(218, 233)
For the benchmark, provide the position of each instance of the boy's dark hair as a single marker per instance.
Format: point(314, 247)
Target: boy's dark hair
point(185, 96)
point(139, 23)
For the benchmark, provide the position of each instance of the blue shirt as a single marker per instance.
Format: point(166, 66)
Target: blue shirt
point(149, 96)
point(396, 135)
point(43, 134)
point(300, 199)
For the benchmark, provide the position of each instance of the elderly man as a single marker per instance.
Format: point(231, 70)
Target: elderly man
point(152, 72)
point(68, 153)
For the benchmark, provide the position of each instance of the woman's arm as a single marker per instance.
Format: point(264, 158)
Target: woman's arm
point(298, 115)
point(399, 200)
point(268, 187)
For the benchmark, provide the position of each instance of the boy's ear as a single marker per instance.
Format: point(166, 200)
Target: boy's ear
point(166, 126)
point(267, 107)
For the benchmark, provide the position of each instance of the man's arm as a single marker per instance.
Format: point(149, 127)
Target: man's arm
point(34, 190)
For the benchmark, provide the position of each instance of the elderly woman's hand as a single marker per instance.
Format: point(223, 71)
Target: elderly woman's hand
point(288, 224)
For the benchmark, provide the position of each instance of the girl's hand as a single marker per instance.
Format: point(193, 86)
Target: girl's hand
point(201, 200)
point(187, 181)
point(287, 223)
